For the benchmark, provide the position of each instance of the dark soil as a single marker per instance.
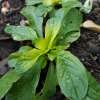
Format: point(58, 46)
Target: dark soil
point(87, 48)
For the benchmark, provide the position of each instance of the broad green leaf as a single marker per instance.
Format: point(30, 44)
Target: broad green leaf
point(34, 20)
point(21, 33)
point(63, 27)
point(23, 61)
point(35, 17)
point(51, 29)
point(32, 2)
point(49, 88)
point(72, 76)
point(25, 88)
point(53, 26)
point(94, 89)
point(11, 77)
point(70, 28)
point(7, 81)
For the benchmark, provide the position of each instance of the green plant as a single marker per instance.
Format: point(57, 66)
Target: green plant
point(48, 51)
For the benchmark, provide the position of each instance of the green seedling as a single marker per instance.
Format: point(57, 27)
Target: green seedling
point(51, 31)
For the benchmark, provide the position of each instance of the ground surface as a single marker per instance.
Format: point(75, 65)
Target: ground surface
point(87, 48)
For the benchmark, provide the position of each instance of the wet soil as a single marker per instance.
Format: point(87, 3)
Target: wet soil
point(87, 48)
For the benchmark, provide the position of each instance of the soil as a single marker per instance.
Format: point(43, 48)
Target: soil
point(87, 48)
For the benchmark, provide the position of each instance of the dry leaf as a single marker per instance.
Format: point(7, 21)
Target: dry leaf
point(89, 24)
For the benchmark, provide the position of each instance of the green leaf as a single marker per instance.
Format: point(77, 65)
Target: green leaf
point(72, 3)
point(70, 28)
point(34, 20)
point(94, 89)
point(52, 54)
point(25, 88)
point(87, 7)
point(43, 61)
point(42, 43)
point(7, 81)
point(50, 2)
point(21, 33)
point(35, 17)
point(63, 27)
point(72, 76)
point(53, 26)
point(23, 61)
point(24, 49)
point(49, 88)
point(32, 2)
point(42, 10)
point(51, 29)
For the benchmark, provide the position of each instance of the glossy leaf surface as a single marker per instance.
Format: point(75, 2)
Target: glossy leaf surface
point(72, 76)
point(20, 33)
point(25, 88)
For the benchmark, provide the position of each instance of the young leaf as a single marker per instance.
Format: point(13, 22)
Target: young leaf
point(64, 26)
point(70, 28)
point(7, 81)
point(51, 30)
point(42, 44)
point(25, 88)
point(53, 25)
point(21, 33)
point(32, 2)
point(72, 76)
point(49, 88)
point(35, 17)
point(23, 61)
point(34, 20)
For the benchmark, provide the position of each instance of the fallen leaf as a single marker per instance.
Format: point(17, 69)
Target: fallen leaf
point(89, 24)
